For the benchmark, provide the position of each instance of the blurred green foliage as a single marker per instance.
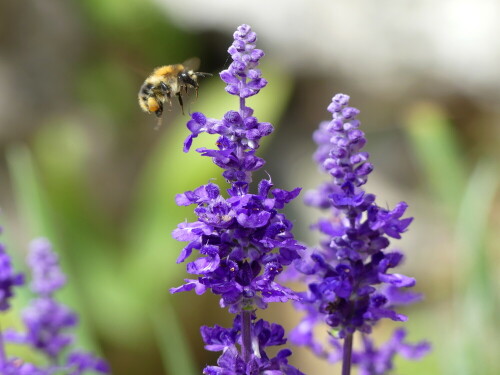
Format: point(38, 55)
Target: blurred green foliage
point(137, 25)
point(468, 203)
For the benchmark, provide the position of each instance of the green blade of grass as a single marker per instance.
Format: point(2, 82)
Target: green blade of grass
point(166, 326)
point(475, 295)
point(438, 154)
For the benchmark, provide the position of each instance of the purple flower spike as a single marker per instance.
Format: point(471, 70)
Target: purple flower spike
point(45, 319)
point(240, 132)
point(243, 240)
point(242, 77)
point(240, 239)
point(350, 284)
point(48, 323)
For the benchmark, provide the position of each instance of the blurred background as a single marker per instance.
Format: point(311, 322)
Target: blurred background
point(81, 164)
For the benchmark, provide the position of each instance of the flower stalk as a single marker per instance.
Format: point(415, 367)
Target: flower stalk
point(243, 240)
point(350, 284)
point(347, 353)
point(246, 335)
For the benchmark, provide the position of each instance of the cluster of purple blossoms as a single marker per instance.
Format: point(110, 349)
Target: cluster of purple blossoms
point(349, 284)
point(264, 335)
point(244, 242)
point(46, 321)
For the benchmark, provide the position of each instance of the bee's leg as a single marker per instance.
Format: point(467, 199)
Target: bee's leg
point(200, 75)
point(158, 123)
point(187, 80)
point(159, 111)
point(167, 92)
point(180, 102)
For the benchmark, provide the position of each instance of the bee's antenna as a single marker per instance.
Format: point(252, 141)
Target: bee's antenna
point(225, 62)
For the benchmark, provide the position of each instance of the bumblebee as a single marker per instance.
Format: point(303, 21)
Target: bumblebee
point(168, 81)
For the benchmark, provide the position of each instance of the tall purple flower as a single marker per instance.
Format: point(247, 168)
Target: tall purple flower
point(243, 240)
point(49, 323)
point(350, 286)
point(8, 279)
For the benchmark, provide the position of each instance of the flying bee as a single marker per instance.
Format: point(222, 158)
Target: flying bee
point(168, 81)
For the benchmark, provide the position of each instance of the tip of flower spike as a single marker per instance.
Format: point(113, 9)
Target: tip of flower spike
point(241, 77)
point(338, 102)
point(44, 262)
point(244, 32)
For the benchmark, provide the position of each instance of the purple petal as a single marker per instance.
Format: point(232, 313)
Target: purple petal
point(190, 285)
point(203, 265)
point(254, 220)
point(190, 231)
point(396, 279)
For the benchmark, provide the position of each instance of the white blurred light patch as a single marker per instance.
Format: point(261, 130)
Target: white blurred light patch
point(383, 44)
point(469, 45)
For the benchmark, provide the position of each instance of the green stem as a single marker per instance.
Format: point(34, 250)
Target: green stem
point(346, 360)
point(246, 335)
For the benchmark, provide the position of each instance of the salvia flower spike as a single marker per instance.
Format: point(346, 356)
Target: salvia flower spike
point(350, 283)
point(242, 239)
point(48, 323)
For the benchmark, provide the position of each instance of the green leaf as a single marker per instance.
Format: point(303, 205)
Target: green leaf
point(174, 348)
point(475, 297)
point(438, 153)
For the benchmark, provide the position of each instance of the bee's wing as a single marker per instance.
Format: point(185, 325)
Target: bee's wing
point(192, 64)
